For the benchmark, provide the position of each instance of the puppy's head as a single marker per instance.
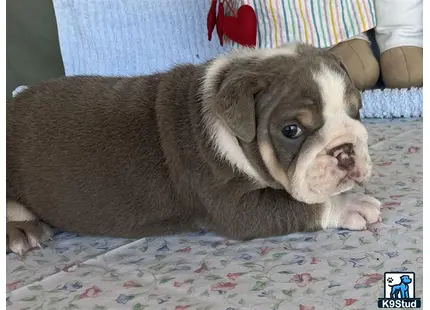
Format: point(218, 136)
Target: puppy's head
point(294, 114)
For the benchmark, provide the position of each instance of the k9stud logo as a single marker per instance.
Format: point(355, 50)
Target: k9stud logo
point(399, 291)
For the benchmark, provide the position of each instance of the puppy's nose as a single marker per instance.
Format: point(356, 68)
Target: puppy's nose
point(344, 153)
point(343, 148)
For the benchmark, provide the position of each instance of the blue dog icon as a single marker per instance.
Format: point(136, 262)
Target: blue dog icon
point(402, 288)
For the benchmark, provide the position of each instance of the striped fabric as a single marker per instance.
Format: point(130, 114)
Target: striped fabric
point(322, 23)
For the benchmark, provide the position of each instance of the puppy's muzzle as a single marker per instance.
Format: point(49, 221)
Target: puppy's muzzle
point(330, 162)
point(344, 155)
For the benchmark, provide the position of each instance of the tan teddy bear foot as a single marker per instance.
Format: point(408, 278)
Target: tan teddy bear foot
point(361, 64)
point(402, 67)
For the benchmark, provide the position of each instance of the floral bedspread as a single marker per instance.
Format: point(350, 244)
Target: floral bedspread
point(335, 269)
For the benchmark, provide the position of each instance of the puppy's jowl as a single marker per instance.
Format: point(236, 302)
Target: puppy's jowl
point(255, 143)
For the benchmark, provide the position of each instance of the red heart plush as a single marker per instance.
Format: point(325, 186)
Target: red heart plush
point(211, 19)
point(242, 28)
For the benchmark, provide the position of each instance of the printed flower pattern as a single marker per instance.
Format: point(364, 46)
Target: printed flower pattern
point(302, 279)
point(334, 269)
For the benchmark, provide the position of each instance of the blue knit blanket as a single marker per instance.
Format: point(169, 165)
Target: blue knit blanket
point(132, 37)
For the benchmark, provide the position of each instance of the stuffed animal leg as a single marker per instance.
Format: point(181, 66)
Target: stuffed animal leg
point(399, 34)
point(359, 60)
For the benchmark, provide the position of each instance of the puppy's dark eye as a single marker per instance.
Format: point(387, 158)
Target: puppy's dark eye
point(292, 131)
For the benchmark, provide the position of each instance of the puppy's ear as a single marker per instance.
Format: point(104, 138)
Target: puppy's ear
point(235, 102)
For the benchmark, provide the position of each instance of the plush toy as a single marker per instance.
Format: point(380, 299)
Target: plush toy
point(399, 36)
point(240, 26)
point(337, 24)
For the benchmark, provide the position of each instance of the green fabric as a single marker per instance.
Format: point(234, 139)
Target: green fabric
point(32, 47)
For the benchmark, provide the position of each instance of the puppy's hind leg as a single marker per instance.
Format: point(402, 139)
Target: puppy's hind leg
point(24, 231)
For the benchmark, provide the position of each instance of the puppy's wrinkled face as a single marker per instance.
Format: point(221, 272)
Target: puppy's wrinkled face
point(300, 110)
point(309, 133)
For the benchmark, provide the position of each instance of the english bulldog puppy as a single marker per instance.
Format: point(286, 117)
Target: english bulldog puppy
point(255, 143)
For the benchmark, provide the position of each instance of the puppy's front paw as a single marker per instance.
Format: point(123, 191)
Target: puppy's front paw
point(352, 211)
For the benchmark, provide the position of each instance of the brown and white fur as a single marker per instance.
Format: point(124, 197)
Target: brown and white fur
point(199, 146)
